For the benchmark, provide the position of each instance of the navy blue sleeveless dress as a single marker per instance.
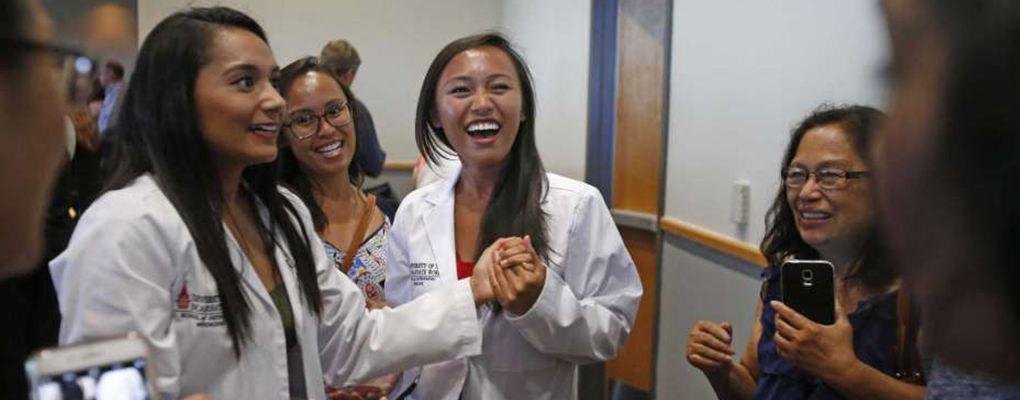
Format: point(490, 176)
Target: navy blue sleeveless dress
point(875, 327)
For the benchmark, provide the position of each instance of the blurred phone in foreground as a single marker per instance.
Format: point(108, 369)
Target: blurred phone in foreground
point(115, 369)
point(808, 287)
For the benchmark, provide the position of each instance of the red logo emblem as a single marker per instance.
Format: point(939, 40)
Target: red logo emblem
point(183, 299)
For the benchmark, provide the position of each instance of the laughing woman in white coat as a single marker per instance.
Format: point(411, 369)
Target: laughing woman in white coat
point(573, 302)
point(198, 249)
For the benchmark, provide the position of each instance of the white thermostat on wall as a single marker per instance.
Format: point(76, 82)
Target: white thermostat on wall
point(740, 208)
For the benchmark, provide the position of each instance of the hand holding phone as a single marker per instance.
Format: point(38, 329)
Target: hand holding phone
point(812, 332)
point(105, 370)
point(823, 351)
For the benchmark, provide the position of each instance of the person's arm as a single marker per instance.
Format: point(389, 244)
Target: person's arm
point(114, 278)
point(356, 344)
point(709, 349)
point(742, 378)
point(826, 352)
point(371, 156)
point(586, 314)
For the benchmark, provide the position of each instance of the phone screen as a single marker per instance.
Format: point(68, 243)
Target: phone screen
point(117, 381)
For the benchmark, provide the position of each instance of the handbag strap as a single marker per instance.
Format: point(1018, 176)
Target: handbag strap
point(908, 358)
point(359, 234)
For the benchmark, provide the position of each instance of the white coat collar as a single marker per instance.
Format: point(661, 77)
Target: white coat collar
point(438, 222)
point(442, 191)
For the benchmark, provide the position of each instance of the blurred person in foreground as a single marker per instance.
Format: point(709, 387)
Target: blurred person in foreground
point(950, 186)
point(31, 117)
point(33, 130)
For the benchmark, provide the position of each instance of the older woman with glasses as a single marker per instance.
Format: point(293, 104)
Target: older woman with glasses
point(823, 211)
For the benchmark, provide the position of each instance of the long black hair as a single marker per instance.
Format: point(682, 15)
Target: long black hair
point(977, 148)
point(293, 174)
point(515, 208)
point(158, 133)
point(873, 268)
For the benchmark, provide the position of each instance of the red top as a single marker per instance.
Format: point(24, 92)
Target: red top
point(465, 269)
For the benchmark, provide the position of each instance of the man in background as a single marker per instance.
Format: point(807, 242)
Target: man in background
point(343, 59)
point(112, 79)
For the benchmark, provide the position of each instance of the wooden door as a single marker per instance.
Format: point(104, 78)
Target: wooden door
point(637, 182)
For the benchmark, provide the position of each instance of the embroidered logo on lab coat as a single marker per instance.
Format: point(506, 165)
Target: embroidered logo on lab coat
point(206, 311)
point(423, 272)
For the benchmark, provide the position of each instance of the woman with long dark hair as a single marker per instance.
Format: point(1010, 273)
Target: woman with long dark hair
point(823, 210)
point(196, 248)
point(319, 165)
point(569, 290)
point(317, 161)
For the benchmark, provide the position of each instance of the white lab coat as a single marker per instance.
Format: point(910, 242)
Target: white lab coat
point(132, 265)
point(584, 313)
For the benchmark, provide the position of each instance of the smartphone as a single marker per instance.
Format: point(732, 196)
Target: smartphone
point(808, 286)
point(115, 369)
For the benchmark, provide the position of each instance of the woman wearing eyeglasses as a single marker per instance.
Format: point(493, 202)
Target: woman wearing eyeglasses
point(824, 211)
point(319, 133)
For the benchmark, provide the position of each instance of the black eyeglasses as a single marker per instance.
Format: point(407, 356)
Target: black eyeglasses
point(304, 125)
point(827, 178)
point(66, 58)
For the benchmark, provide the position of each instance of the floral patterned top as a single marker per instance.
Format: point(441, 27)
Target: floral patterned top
point(368, 270)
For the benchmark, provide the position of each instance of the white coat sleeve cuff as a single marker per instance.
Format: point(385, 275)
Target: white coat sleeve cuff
point(546, 305)
point(467, 313)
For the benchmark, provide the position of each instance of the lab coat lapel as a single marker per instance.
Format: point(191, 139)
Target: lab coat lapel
point(289, 273)
point(440, 229)
point(244, 268)
point(285, 264)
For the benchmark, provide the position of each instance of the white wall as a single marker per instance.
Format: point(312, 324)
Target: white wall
point(553, 36)
point(104, 29)
point(743, 73)
point(397, 39)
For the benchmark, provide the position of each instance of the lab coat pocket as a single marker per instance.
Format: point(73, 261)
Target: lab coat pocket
point(200, 328)
point(424, 277)
point(505, 350)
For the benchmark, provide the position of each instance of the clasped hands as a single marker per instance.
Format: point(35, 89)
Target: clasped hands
point(511, 273)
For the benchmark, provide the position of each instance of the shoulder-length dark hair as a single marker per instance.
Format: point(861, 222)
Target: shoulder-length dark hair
point(873, 267)
point(515, 208)
point(293, 174)
point(158, 132)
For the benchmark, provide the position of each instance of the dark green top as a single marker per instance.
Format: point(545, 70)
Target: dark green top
point(295, 365)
